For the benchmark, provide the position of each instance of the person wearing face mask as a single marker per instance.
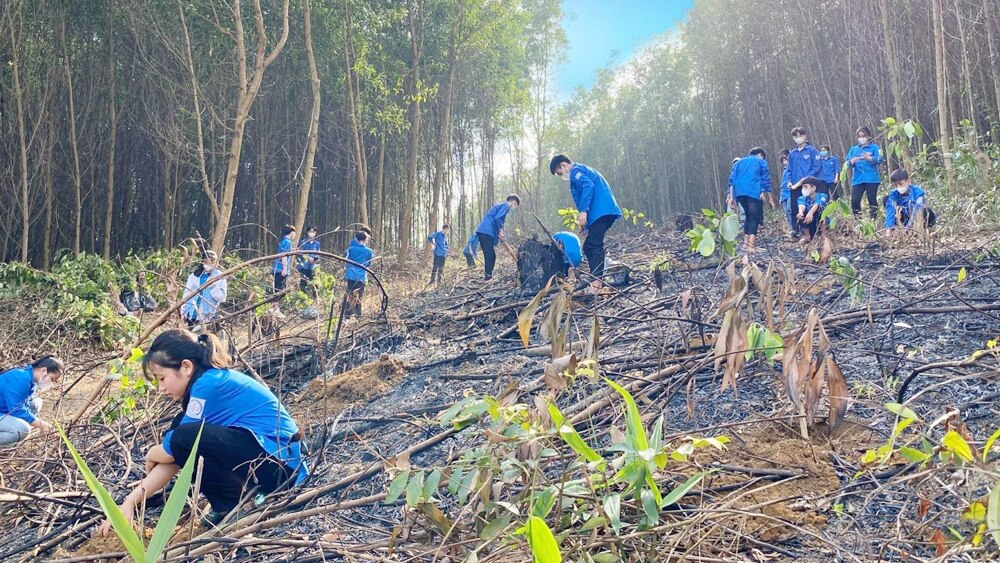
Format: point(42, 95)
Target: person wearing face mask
point(202, 306)
point(811, 204)
point(863, 160)
point(905, 203)
point(786, 193)
point(803, 162)
point(19, 402)
point(597, 206)
point(749, 180)
point(490, 232)
point(248, 439)
point(307, 263)
point(829, 174)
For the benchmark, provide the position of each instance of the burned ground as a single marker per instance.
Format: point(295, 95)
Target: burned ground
point(771, 495)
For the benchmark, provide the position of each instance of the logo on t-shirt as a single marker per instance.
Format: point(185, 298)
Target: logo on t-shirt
point(579, 175)
point(196, 408)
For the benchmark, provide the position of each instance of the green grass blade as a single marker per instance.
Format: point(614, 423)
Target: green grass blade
point(543, 544)
point(120, 525)
point(676, 494)
point(174, 506)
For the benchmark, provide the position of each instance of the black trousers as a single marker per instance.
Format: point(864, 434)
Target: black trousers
point(488, 245)
point(469, 260)
point(438, 268)
point(352, 303)
point(233, 463)
point(860, 190)
point(823, 187)
point(796, 194)
point(279, 283)
point(305, 282)
point(754, 209)
point(593, 245)
point(812, 227)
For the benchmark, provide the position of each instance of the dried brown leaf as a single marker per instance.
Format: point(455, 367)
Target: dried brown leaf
point(837, 388)
point(826, 250)
point(525, 317)
point(594, 342)
point(435, 515)
point(553, 378)
point(722, 339)
point(940, 543)
point(735, 294)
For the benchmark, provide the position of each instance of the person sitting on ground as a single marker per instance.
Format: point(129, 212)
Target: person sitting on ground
point(749, 180)
point(598, 209)
point(282, 267)
point(306, 265)
point(19, 400)
point(572, 250)
point(811, 204)
point(905, 203)
point(203, 308)
point(356, 275)
point(829, 175)
point(248, 440)
point(490, 231)
point(439, 240)
point(470, 249)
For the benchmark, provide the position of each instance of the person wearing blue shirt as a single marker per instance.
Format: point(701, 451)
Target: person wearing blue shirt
point(803, 162)
point(282, 266)
point(863, 159)
point(202, 307)
point(470, 249)
point(829, 173)
point(786, 193)
point(355, 273)
point(306, 264)
point(811, 204)
point(490, 231)
point(597, 206)
point(749, 180)
point(572, 250)
point(248, 439)
point(439, 240)
point(905, 203)
point(19, 401)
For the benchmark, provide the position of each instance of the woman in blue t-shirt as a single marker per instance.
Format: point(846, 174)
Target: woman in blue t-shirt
point(19, 401)
point(248, 440)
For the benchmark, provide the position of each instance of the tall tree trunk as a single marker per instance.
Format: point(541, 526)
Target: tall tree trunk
point(414, 18)
point(307, 175)
point(940, 78)
point(73, 141)
point(354, 111)
point(990, 23)
point(379, 224)
point(23, 142)
point(109, 205)
point(890, 56)
point(47, 232)
point(248, 89)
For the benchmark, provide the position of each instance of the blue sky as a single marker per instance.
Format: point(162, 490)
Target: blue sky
point(603, 31)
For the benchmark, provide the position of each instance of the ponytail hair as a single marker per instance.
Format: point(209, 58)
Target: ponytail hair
point(174, 346)
point(51, 363)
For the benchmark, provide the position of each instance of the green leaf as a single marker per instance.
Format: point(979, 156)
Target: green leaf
point(414, 488)
point(901, 411)
point(431, 485)
point(650, 511)
point(909, 129)
point(706, 244)
point(993, 512)
point(467, 485)
point(543, 501)
point(397, 486)
point(612, 505)
point(975, 512)
point(962, 274)
point(454, 480)
point(730, 227)
point(120, 525)
point(175, 504)
point(605, 557)
point(592, 523)
point(543, 544)
point(572, 437)
point(633, 421)
point(957, 445)
point(678, 493)
point(913, 455)
point(495, 526)
point(989, 443)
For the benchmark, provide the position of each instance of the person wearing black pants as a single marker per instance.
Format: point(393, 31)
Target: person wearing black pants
point(352, 301)
point(858, 191)
point(749, 181)
point(593, 244)
point(597, 208)
point(488, 244)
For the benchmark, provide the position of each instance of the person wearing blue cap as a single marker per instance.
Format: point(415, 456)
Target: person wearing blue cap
point(597, 206)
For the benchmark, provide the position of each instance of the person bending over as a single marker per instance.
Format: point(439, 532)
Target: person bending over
point(19, 400)
point(490, 231)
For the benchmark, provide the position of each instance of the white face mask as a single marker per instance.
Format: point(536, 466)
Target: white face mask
point(903, 190)
point(565, 176)
point(807, 192)
point(799, 140)
point(862, 141)
point(44, 384)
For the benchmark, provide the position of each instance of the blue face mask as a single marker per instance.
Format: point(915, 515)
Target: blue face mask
point(824, 154)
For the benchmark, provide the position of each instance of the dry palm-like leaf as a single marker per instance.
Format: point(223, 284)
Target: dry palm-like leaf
point(556, 323)
point(735, 294)
point(837, 388)
point(594, 342)
point(527, 314)
point(826, 250)
point(730, 344)
point(805, 375)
